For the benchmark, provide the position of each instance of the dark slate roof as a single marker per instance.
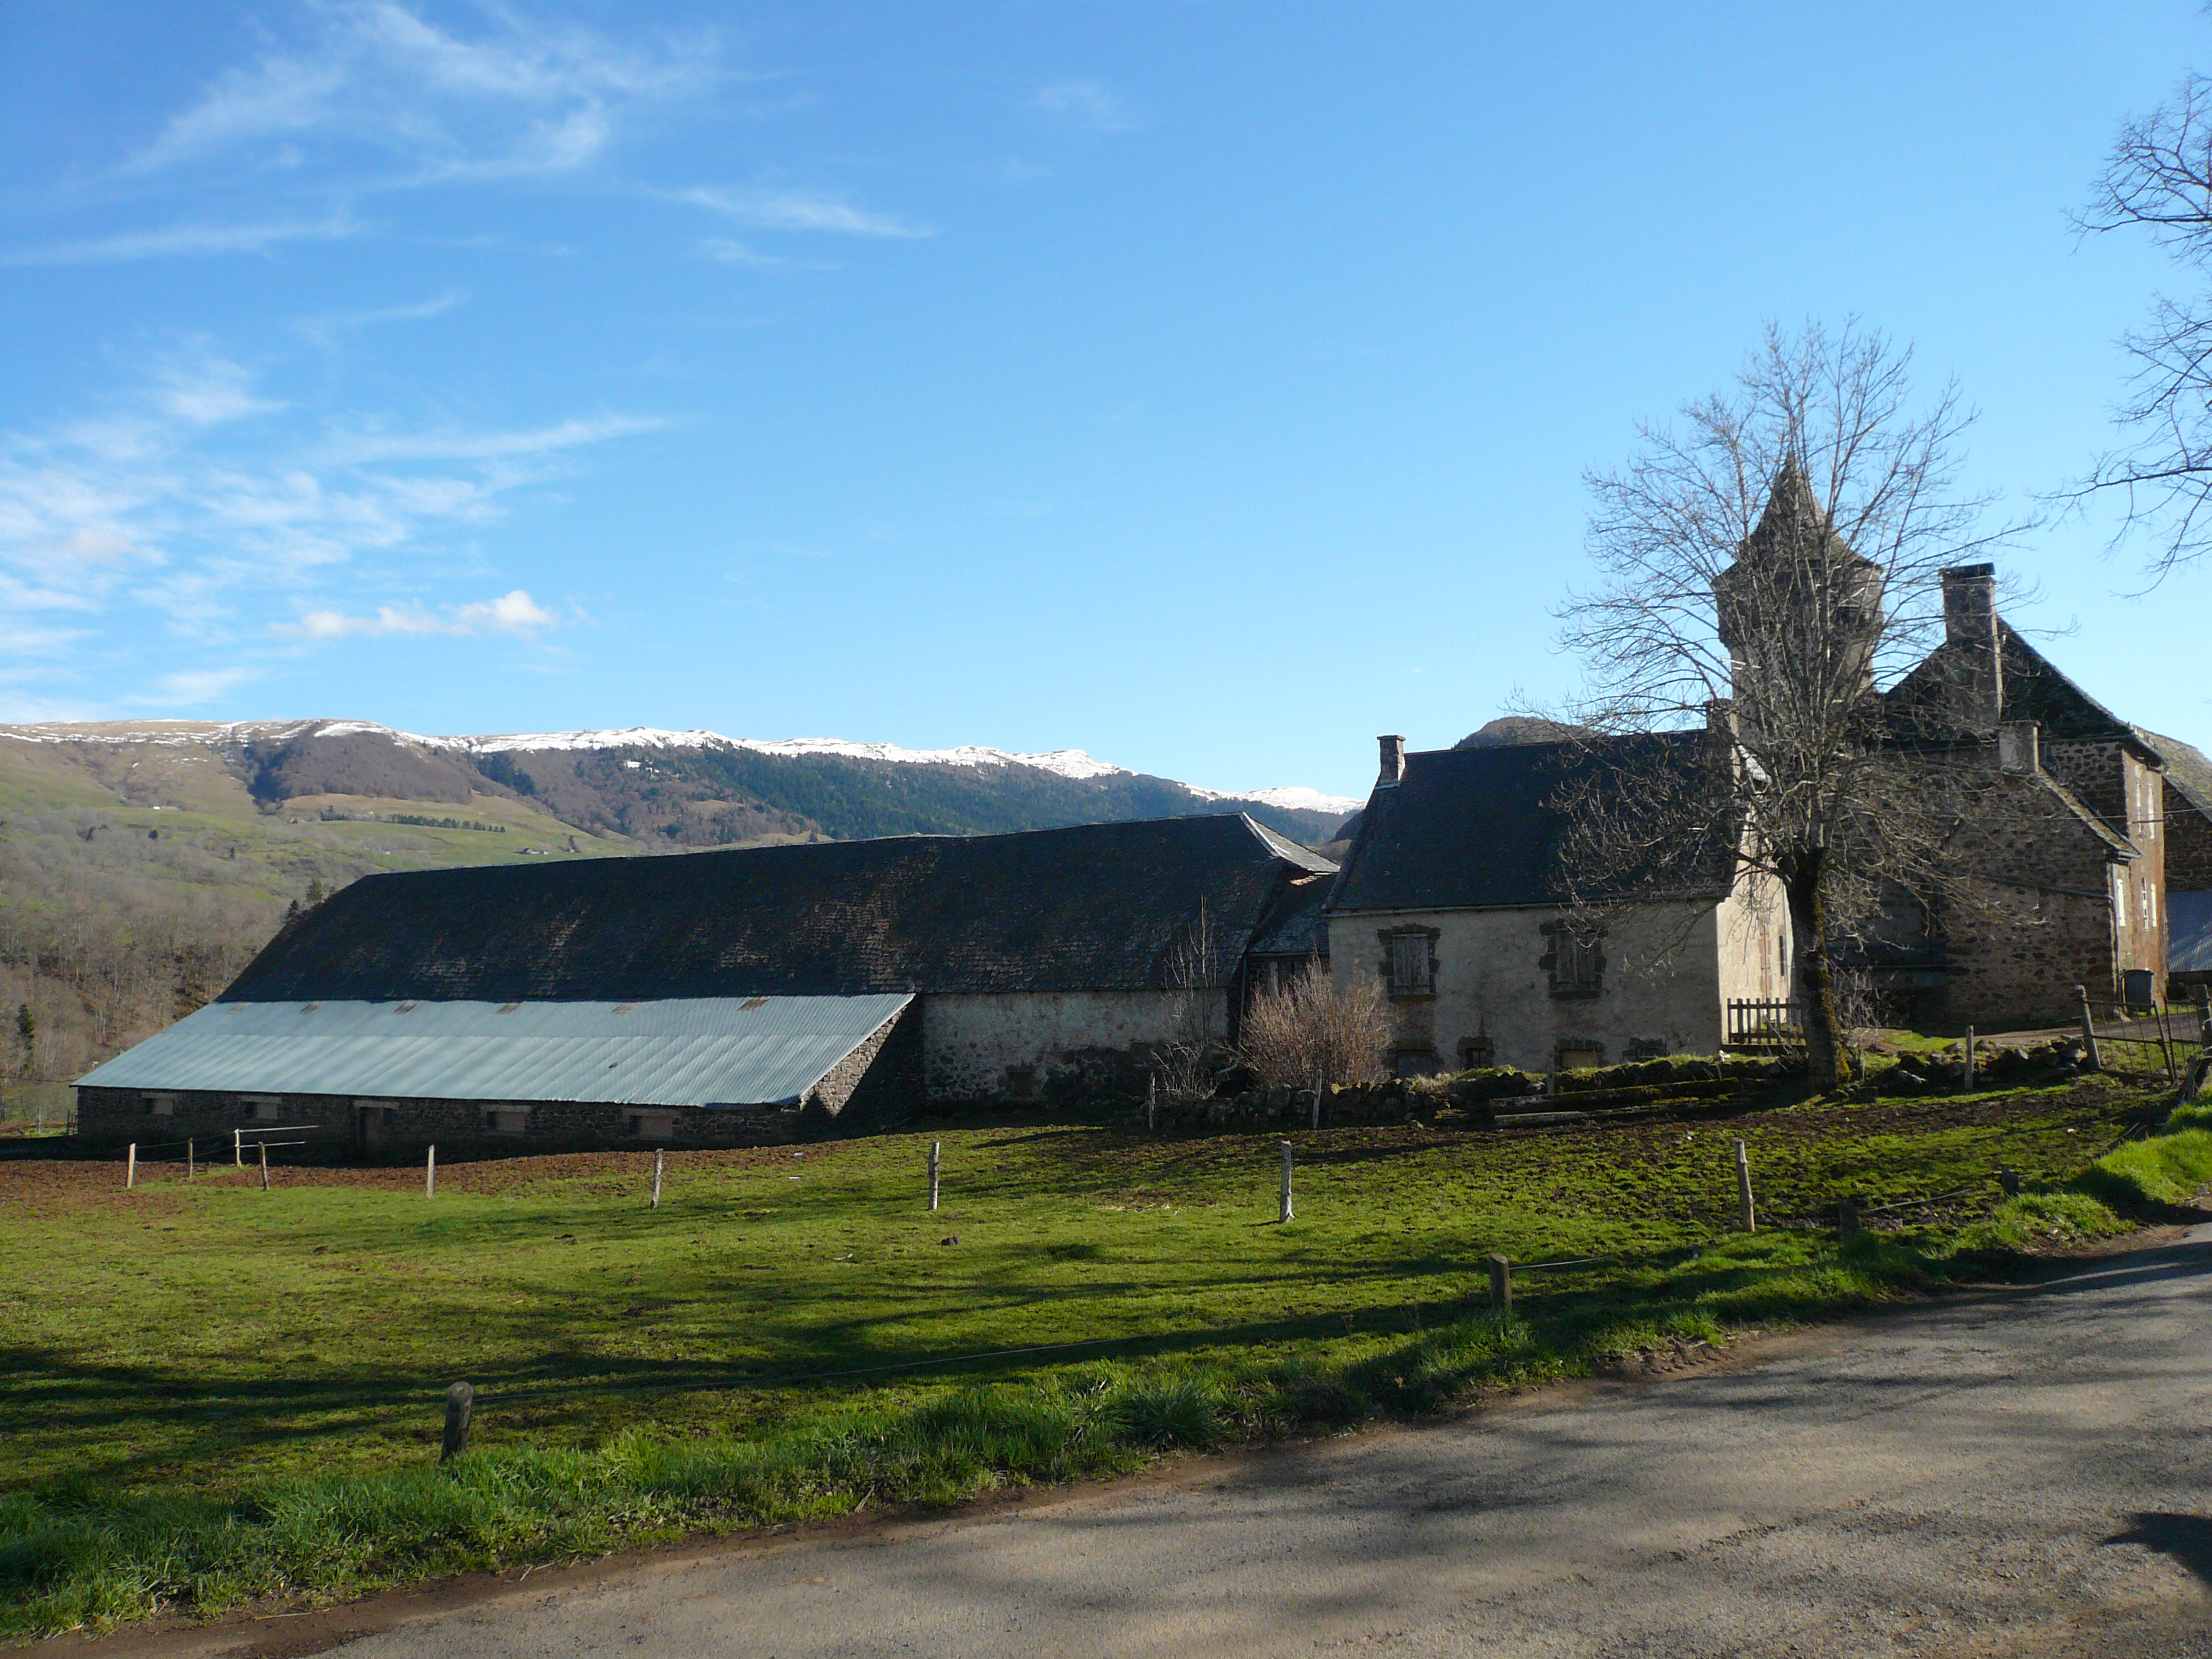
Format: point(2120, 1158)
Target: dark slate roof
point(1095, 908)
point(2035, 689)
point(1299, 924)
point(1480, 829)
point(2188, 768)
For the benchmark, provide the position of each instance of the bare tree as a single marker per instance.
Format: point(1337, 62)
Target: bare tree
point(1311, 1029)
point(1188, 1063)
point(1765, 565)
point(2159, 178)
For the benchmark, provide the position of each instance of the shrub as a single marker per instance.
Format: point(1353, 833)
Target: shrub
point(1311, 1028)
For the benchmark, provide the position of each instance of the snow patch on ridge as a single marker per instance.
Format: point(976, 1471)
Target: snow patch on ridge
point(1291, 798)
point(1065, 763)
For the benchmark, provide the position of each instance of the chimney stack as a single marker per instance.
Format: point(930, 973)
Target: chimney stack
point(1970, 632)
point(2019, 746)
point(1394, 760)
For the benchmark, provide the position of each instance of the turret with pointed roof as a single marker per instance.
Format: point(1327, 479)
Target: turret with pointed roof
point(1798, 602)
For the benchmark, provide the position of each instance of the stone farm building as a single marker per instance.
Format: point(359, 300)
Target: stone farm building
point(1454, 895)
point(730, 998)
point(2089, 847)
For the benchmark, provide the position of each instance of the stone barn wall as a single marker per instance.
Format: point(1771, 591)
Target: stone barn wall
point(1498, 997)
point(1013, 1047)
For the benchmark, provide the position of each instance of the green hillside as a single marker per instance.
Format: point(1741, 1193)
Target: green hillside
point(134, 886)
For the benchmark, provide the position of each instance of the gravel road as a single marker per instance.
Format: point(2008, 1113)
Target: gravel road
point(2013, 1474)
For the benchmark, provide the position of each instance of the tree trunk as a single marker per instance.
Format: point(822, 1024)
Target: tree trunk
point(1816, 985)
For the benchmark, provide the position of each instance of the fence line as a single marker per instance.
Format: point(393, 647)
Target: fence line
point(1764, 1023)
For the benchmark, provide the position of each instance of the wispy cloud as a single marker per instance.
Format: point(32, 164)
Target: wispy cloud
point(770, 208)
point(1084, 104)
point(518, 96)
point(326, 329)
point(192, 688)
point(514, 613)
point(173, 500)
point(173, 241)
point(360, 448)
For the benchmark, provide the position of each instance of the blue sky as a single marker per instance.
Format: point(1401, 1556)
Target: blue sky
point(1209, 386)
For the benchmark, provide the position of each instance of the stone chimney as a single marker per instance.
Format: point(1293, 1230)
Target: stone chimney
point(1970, 635)
point(2019, 746)
point(1394, 760)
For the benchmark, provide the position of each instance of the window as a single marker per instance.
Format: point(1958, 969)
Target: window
point(1578, 1057)
point(1476, 1052)
point(1414, 1062)
point(263, 1108)
point(652, 1126)
point(1409, 960)
point(160, 1105)
point(507, 1121)
point(1573, 959)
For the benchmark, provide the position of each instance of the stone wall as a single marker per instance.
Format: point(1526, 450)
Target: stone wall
point(1003, 1047)
point(1658, 991)
point(344, 1127)
point(2188, 840)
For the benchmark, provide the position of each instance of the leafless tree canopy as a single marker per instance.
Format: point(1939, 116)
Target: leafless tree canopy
point(2160, 178)
point(1765, 564)
point(1311, 1028)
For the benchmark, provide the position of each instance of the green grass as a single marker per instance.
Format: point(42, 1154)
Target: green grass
point(216, 1394)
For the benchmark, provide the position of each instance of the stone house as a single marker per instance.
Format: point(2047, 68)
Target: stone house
point(1453, 894)
point(2100, 840)
point(726, 997)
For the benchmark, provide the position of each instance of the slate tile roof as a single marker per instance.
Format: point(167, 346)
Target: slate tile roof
point(1099, 906)
point(2035, 689)
point(1482, 829)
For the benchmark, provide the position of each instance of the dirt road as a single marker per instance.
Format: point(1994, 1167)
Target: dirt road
point(2023, 1472)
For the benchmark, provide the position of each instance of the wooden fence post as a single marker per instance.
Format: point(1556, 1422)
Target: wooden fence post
point(265, 1166)
point(936, 1152)
point(656, 1152)
point(1152, 1108)
point(2165, 1043)
point(1847, 1219)
point(1501, 1284)
point(1287, 1210)
point(1745, 1213)
point(237, 1147)
point(430, 1174)
point(131, 1168)
point(460, 1406)
point(191, 1167)
point(1970, 1061)
point(2089, 1031)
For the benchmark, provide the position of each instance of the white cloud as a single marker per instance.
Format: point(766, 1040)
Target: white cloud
point(793, 210)
point(1084, 104)
point(518, 97)
point(172, 500)
point(191, 687)
point(514, 613)
point(357, 448)
point(177, 239)
point(325, 330)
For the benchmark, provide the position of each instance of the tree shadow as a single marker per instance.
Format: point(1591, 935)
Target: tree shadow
point(2184, 1539)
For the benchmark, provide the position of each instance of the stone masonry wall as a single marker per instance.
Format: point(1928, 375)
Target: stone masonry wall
point(2188, 837)
point(338, 1127)
point(1005, 1047)
point(1658, 989)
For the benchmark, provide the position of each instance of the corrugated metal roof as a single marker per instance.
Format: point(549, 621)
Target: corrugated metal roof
point(702, 1051)
point(2189, 932)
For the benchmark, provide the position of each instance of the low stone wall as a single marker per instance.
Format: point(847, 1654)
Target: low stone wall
point(338, 1127)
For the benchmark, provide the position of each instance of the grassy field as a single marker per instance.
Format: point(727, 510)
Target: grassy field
point(215, 1392)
